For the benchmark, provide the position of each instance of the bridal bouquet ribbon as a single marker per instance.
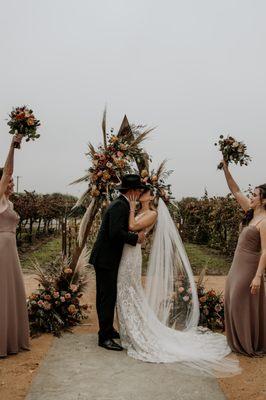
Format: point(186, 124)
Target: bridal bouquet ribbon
point(233, 151)
point(23, 121)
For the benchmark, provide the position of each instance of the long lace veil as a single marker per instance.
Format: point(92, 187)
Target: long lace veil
point(170, 287)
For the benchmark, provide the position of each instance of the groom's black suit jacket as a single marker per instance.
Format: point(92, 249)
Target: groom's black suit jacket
point(113, 234)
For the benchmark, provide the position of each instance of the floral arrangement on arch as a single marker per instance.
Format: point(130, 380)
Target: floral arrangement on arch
point(23, 121)
point(233, 151)
point(156, 179)
point(114, 158)
point(56, 305)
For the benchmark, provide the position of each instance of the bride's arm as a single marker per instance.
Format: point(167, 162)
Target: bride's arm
point(144, 222)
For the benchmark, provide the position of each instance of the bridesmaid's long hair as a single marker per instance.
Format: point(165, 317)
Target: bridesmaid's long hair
point(250, 213)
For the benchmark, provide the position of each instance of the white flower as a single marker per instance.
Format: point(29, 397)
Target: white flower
point(235, 144)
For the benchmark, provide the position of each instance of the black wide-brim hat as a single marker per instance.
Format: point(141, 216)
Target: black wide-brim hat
point(131, 181)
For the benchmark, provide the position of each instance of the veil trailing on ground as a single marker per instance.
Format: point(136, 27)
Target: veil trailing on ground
point(170, 287)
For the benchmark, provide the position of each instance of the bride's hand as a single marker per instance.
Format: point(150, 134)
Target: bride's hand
point(132, 197)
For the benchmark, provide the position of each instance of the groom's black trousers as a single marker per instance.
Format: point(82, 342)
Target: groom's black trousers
point(106, 291)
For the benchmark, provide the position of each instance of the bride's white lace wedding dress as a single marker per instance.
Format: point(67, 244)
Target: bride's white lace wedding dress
point(148, 339)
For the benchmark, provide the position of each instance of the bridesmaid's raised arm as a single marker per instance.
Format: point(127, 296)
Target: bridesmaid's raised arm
point(242, 199)
point(9, 166)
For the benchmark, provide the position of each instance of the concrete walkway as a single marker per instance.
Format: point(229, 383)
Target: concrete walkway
point(77, 369)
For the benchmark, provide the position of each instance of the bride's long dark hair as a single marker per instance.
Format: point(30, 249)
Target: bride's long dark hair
point(1, 172)
point(250, 213)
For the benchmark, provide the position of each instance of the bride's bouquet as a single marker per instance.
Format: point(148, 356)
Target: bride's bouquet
point(23, 121)
point(233, 151)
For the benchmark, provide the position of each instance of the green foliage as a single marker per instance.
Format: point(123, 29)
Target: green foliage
point(40, 215)
point(211, 221)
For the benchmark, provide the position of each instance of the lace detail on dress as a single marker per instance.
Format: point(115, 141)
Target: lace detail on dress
point(147, 339)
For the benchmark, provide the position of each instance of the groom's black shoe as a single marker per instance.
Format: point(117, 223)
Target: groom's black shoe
point(115, 334)
point(109, 344)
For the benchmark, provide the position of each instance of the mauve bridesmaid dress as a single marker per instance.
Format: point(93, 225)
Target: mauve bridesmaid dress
point(245, 313)
point(14, 324)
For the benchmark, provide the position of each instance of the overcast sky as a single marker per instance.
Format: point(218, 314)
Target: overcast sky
point(195, 69)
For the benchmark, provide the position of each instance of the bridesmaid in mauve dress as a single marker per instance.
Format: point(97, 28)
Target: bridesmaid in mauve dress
point(14, 325)
point(245, 296)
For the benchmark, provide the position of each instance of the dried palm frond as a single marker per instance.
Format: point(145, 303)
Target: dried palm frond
point(85, 196)
point(91, 151)
point(85, 228)
point(201, 277)
point(83, 179)
point(86, 220)
point(104, 128)
point(161, 168)
point(82, 264)
point(142, 136)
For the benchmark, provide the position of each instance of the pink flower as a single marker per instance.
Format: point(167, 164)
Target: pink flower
point(119, 154)
point(189, 290)
point(56, 295)
point(62, 299)
point(218, 308)
point(181, 289)
point(68, 271)
point(186, 298)
point(74, 288)
point(47, 297)
point(40, 303)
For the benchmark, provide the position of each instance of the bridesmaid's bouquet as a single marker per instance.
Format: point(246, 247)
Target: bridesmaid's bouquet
point(233, 151)
point(23, 121)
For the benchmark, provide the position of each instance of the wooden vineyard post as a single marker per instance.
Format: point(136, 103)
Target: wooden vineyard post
point(64, 237)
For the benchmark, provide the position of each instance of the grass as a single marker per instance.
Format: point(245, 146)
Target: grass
point(201, 256)
point(43, 252)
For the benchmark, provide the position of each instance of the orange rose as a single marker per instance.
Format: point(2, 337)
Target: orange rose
point(144, 173)
point(202, 299)
point(30, 121)
point(94, 191)
point(20, 115)
point(68, 271)
point(106, 176)
point(72, 309)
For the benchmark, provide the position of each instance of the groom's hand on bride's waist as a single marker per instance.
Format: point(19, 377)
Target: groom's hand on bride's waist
point(141, 237)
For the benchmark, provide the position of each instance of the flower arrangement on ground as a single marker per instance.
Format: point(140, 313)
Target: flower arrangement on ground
point(56, 305)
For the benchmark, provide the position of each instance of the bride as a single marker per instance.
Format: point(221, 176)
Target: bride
point(159, 324)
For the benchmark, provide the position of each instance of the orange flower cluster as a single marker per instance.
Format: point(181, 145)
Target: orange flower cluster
point(108, 165)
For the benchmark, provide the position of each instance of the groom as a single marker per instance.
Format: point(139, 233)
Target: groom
point(106, 255)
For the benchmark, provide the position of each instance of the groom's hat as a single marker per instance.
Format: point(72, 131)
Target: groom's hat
point(131, 181)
